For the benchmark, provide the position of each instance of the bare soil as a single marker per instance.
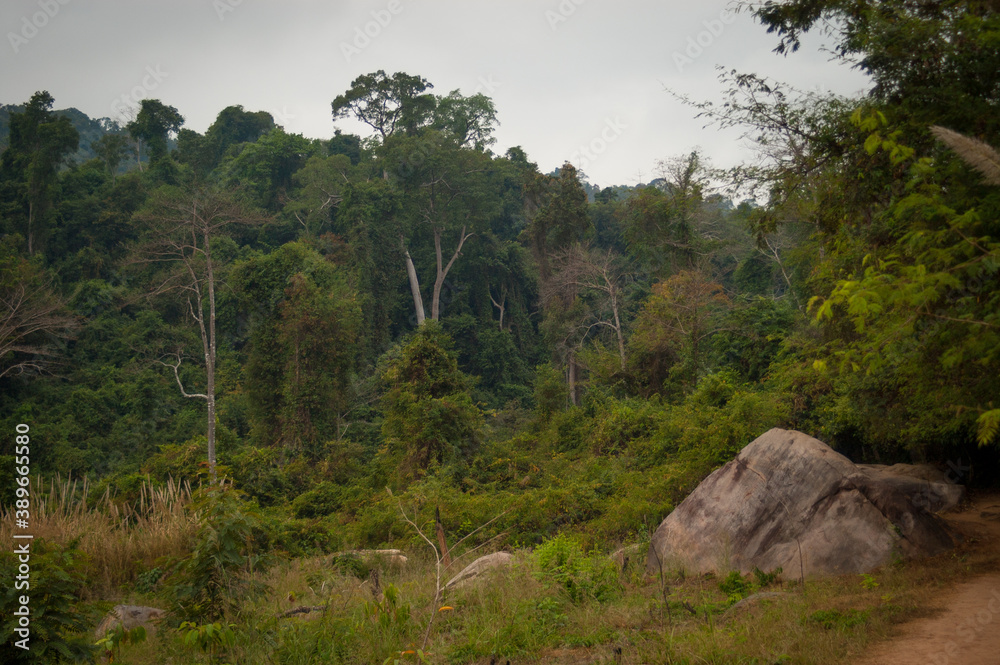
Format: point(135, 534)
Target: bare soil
point(963, 622)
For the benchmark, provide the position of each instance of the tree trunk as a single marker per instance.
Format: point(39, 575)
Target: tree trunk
point(618, 329)
point(411, 274)
point(442, 272)
point(571, 376)
point(210, 358)
point(31, 218)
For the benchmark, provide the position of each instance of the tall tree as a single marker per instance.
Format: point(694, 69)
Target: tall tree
point(154, 122)
point(557, 211)
point(429, 415)
point(447, 194)
point(182, 227)
point(39, 142)
point(386, 103)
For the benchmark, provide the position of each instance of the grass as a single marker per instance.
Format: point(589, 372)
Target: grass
point(517, 616)
point(520, 614)
point(121, 540)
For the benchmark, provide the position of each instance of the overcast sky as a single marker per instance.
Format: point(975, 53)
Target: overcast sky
point(579, 80)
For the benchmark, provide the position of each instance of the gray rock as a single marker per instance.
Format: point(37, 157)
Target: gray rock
point(478, 568)
point(387, 557)
point(625, 554)
point(130, 616)
point(790, 501)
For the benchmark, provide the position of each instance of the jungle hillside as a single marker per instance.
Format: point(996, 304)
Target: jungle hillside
point(244, 353)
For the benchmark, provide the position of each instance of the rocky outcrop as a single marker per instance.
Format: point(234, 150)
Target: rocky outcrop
point(790, 501)
point(130, 616)
point(479, 568)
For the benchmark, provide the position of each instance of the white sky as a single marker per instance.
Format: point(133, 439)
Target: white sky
point(561, 72)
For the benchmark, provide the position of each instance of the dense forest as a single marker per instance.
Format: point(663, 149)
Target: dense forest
point(337, 327)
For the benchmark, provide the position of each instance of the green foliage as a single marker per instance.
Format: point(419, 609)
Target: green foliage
point(146, 581)
point(225, 553)
point(210, 638)
point(59, 622)
point(737, 587)
point(154, 121)
point(840, 619)
point(429, 416)
point(582, 577)
point(551, 393)
point(112, 643)
point(323, 499)
point(352, 564)
point(305, 320)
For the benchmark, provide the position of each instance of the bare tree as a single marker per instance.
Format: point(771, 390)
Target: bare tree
point(181, 230)
point(32, 322)
point(583, 272)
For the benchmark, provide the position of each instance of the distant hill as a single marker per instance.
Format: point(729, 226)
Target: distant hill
point(90, 129)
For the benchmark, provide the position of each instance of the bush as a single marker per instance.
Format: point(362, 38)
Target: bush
point(324, 499)
point(561, 560)
point(224, 557)
point(59, 622)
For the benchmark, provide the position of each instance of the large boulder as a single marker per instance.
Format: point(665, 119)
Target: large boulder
point(130, 616)
point(790, 501)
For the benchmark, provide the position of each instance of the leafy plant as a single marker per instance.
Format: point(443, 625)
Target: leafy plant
point(225, 552)
point(211, 638)
point(869, 582)
point(113, 640)
point(58, 620)
point(562, 561)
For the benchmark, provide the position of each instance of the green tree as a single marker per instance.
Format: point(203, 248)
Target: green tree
point(265, 168)
point(153, 123)
point(429, 416)
point(447, 194)
point(39, 142)
point(386, 103)
point(305, 323)
point(111, 150)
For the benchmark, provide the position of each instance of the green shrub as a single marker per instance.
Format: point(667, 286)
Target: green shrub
point(59, 623)
point(226, 551)
point(324, 499)
point(561, 561)
point(737, 587)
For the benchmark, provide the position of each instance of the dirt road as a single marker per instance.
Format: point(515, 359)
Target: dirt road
point(965, 629)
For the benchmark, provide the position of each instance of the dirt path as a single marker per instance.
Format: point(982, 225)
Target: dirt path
point(966, 630)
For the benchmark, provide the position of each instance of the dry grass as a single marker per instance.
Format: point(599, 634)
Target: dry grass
point(516, 616)
point(119, 539)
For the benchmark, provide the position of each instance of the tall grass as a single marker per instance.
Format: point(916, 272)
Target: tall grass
point(120, 539)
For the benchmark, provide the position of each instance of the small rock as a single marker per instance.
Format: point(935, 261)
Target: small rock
point(479, 567)
point(390, 557)
point(130, 616)
point(623, 555)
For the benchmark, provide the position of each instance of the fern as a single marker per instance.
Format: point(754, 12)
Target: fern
point(989, 426)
